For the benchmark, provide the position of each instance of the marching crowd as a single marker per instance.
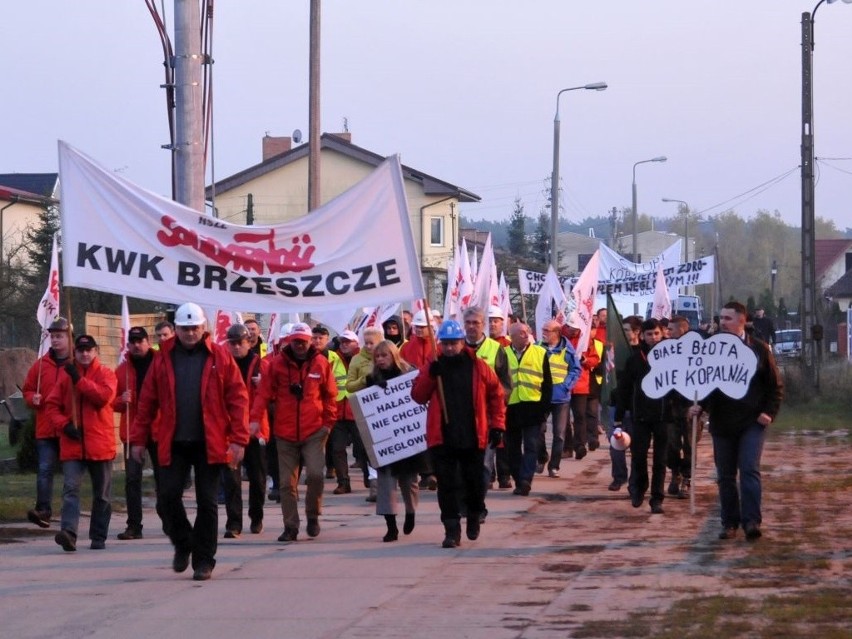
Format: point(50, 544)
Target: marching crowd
point(243, 408)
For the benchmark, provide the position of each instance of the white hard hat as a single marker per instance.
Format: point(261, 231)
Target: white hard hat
point(189, 314)
point(574, 321)
point(419, 319)
point(495, 311)
point(620, 439)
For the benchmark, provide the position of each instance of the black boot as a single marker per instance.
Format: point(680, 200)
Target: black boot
point(393, 532)
point(452, 533)
point(408, 526)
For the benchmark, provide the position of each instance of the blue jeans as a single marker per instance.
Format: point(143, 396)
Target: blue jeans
point(101, 475)
point(48, 453)
point(739, 453)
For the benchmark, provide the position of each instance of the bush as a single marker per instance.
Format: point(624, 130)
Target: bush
point(835, 384)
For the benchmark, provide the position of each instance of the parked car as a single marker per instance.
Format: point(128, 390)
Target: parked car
point(788, 343)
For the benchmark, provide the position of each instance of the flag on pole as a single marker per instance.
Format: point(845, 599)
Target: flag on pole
point(48, 307)
point(125, 329)
point(583, 295)
point(662, 302)
point(617, 350)
point(466, 284)
point(273, 328)
point(474, 266)
point(551, 301)
point(505, 300)
point(451, 299)
point(486, 286)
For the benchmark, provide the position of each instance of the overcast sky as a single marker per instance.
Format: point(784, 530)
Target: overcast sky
point(464, 90)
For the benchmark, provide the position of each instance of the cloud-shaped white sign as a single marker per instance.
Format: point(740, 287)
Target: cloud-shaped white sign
point(695, 367)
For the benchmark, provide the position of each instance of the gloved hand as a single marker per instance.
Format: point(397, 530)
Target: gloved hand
point(73, 373)
point(495, 437)
point(435, 368)
point(71, 431)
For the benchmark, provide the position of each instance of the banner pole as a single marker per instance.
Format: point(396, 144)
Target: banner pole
point(694, 459)
point(440, 381)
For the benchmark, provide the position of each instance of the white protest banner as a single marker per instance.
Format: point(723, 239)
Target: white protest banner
point(530, 282)
point(583, 293)
point(640, 288)
point(662, 299)
point(392, 425)
point(616, 267)
point(551, 301)
point(694, 366)
point(120, 238)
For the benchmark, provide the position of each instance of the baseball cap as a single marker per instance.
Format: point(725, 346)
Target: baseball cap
point(85, 343)
point(300, 330)
point(136, 333)
point(350, 336)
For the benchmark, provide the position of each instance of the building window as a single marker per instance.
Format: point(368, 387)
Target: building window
point(436, 231)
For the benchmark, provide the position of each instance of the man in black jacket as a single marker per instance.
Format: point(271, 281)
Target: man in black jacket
point(651, 420)
point(738, 428)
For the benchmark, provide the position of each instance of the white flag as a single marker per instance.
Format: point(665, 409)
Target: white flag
point(551, 301)
point(662, 302)
point(486, 288)
point(451, 299)
point(505, 301)
point(466, 284)
point(583, 294)
point(48, 308)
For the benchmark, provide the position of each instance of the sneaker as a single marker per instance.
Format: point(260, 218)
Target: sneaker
point(203, 572)
point(289, 534)
point(130, 533)
point(39, 518)
point(728, 533)
point(553, 473)
point(180, 562)
point(66, 540)
point(256, 527)
point(313, 527)
point(233, 534)
point(615, 486)
point(674, 485)
point(97, 544)
point(579, 452)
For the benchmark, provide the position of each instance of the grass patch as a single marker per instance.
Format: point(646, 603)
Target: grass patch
point(824, 416)
point(7, 451)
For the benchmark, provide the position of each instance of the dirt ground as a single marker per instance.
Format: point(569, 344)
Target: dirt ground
point(639, 575)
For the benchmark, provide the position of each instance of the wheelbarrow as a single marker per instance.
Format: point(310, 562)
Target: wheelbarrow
point(19, 414)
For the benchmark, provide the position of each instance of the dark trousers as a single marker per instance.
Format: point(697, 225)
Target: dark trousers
point(521, 442)
point(643, 434)
point(679, 456)
point(272, 462)
point(578, 412)
point(345, 432)
point(459, 471)
point(254, 461)
point(593, 407)
point(198, 538)
point(133, 486)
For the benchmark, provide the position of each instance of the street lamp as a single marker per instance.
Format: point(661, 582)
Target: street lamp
point(554, 176)
point(772, 273)
point(685, 226)
point(659, 158)
point(810, 330)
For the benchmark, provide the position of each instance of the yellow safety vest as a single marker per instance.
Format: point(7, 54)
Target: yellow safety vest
point(488, 351)
point(338, 369)
point(527, 374)
point(599, 347)
point(558, 366)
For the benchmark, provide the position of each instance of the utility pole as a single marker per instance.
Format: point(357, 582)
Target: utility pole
point(189, 150)
point(314, 110)
point(250, 210)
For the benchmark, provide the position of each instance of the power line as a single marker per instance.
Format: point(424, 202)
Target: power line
point(752, 192)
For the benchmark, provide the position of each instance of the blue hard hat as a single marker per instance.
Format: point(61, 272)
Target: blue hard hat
point(450, 329)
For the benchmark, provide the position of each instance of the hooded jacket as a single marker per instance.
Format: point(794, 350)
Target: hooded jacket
point(224, 403)
point(399, 339)
point(92, 397)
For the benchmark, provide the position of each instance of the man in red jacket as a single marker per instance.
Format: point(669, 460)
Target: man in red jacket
point(41, 378)
point(196, 389)
point(79, 410)
point(472, 401)
point(131, 374)
point(303, 387)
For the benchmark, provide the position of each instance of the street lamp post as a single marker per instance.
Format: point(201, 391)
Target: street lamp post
point(659, 158)
point(811, 331)
point(772, 273)
point(554, 176)
point(685, 226)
